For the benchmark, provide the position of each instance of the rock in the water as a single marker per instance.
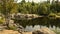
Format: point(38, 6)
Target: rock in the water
point(43, 31)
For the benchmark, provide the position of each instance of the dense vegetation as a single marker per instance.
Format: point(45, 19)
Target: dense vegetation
point(45, 8)
point(41, 8)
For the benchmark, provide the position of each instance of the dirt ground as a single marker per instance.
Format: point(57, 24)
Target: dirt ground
point(9, 32)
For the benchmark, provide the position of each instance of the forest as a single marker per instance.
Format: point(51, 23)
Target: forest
point(46, 9)
point(41, 8)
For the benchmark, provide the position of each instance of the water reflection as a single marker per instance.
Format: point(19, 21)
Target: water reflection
point(45, 21)
point(29, 28)
point(40, 22)
point(36, 27)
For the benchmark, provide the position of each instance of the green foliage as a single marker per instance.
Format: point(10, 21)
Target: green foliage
point(52, 15)
point(30, 7)
point(12, 28)
point(6, 6)
point(44, 8)
point(2, 20)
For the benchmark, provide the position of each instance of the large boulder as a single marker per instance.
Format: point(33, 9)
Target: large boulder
point(43, 31)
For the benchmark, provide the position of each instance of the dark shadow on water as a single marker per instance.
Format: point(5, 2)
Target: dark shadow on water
point(45, 21)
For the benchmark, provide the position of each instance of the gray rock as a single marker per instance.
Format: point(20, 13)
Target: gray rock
point(43, 31)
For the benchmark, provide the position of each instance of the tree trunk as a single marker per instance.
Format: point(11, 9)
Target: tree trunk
point(7, 18)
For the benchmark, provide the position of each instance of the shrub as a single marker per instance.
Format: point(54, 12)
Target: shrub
point(2, 20)
point(12, 28)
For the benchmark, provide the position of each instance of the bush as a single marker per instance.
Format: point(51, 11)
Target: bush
point(2, 20)
point(52, 15)
point(12, 28)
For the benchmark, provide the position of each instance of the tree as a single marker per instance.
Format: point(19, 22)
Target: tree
point(44, 9)
point(55, 7)
point(57, 1)
point(48, 1)
point(53, 1)
point(23, 1)
point(7, 6)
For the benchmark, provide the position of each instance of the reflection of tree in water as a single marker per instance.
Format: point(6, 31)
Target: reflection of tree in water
point(45, 21)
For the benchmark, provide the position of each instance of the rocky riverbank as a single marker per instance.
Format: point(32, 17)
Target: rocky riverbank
point(40, 31)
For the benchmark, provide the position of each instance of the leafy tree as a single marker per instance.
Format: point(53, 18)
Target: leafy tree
point(43, 9)
point(6, 7)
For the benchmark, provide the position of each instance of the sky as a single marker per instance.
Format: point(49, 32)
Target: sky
point(34, 0)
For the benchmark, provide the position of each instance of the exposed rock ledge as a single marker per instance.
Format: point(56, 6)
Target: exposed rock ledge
point(9, 32)
point(43, 31)
point(40, 31)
